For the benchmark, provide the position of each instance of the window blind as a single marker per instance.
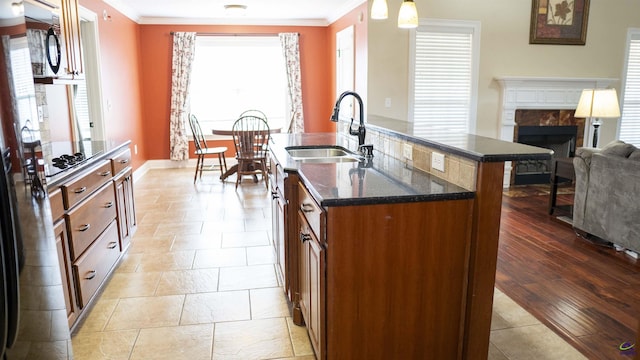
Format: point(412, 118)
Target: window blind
point(443, 82)
point(630, 119)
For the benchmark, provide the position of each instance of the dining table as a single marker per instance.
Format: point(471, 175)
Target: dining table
point(227, 131)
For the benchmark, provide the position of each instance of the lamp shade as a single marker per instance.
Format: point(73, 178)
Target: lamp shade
point(598, 103)
point(408, 15)
point(379, 10)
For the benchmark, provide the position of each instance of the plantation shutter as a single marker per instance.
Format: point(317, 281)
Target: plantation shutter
point(443, 82)
point(630, 120)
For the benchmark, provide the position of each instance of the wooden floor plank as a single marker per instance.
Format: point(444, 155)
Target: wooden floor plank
point(586, 293)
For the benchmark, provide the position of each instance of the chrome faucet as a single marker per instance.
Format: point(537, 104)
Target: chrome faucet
point(366, 150)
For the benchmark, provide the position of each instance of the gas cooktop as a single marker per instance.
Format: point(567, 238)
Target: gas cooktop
point(68, 155)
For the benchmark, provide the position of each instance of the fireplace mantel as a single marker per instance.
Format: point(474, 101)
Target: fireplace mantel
point(540, 93)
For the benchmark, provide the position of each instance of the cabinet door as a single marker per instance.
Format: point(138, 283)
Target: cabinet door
point(71, 30)
point(315, 325)
point(129, 203)
point(312, 285)
point(123, 226)
point(280, 239)
point(303, 283)
point(62, 244)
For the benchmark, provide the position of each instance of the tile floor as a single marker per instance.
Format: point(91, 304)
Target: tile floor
point(198, 282)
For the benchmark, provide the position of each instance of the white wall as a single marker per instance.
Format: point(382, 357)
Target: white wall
point(505, 51)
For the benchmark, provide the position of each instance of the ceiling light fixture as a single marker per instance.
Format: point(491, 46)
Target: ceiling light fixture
point(407, 16)
point(379, 10)
point(235, 9)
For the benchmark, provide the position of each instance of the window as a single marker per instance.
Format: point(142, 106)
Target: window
point(23, 83)
point(232, 74)
point(443, 85)
point(630, 120)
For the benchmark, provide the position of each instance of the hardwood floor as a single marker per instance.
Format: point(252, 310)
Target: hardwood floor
point(588, 294)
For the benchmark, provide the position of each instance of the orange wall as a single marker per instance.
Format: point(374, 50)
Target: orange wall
point(120, 77)
point(156, 52)
point(136, 74)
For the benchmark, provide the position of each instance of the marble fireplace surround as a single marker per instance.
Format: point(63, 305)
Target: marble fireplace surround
point(543, 93)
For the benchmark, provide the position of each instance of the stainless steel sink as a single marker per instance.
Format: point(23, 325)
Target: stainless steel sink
point(322, 153)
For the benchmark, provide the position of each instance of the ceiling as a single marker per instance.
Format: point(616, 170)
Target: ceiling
point(259, 12)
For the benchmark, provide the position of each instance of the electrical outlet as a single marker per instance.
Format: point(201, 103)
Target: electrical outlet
point(437, 161)
point(407, 151)
point(387, 102)
point(135, 149)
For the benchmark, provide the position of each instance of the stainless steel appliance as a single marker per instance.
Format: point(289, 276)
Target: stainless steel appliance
point(33, 316)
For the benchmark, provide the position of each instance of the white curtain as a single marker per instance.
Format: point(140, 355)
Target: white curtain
point(184, 45)
point(291, 51)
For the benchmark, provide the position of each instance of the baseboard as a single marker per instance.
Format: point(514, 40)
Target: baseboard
point(169, 164)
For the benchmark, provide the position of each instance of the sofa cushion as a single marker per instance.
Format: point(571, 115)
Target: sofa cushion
point(618, 148)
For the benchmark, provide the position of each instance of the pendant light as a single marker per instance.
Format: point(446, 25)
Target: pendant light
point(408, 15)
point(379, 10)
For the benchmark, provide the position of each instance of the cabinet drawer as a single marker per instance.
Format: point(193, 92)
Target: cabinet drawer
point(56, 203)
point(310, 209)
point(95, 264)
point(77, 189)
point(121, 161)
point(90, 218)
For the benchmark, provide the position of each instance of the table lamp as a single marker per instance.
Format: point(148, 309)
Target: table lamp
point(597, 104)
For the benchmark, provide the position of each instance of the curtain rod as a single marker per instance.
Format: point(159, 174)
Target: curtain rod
point(230, 34)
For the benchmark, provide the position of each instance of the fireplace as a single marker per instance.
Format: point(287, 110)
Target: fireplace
point(541, 93)
point(558, 130)
point(560, 139)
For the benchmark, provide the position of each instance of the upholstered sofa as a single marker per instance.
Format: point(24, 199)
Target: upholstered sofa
point(607, 193)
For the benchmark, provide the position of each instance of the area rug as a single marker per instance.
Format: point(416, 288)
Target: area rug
point(537, 190)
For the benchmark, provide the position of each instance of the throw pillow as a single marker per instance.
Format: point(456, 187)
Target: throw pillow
point(618, 148)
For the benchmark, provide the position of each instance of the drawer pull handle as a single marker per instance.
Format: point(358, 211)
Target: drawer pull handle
point(109, 204)
point(90, 275)
point(112, 245)
point(80, 190)
point(307, 208)
point(124, 161)
point(274, 195)
point(106, 173)
point(305, 237)
point(84, 227)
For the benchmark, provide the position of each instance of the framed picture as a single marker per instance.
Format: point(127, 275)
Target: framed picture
point(559, 22)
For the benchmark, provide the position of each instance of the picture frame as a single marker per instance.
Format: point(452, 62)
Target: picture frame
point(559, 22)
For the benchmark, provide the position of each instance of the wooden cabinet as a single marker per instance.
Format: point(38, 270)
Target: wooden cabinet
point(93, 213)
point(278, 210)
point(123, 180)
point(64, 258)
point(384, 281)
point(70, 24)
point(93, 267)
point(90, 218)
point(312, 269)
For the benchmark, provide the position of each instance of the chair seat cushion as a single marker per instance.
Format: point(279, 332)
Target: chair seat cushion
point(215, 150)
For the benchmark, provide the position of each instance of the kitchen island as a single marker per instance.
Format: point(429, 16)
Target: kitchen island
point(382, 260)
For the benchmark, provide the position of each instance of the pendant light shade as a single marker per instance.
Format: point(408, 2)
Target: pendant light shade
point(379, 10)
point(408, 15)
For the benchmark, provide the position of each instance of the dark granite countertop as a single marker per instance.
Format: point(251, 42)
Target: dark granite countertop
point(474, 147)
point(378, 181)
point(94, 152)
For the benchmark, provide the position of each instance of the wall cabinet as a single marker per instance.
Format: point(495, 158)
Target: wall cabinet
point(70, 25)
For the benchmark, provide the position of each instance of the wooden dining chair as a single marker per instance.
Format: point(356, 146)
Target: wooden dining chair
point(250, 137)
point(256, 113)
point(202, 150)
